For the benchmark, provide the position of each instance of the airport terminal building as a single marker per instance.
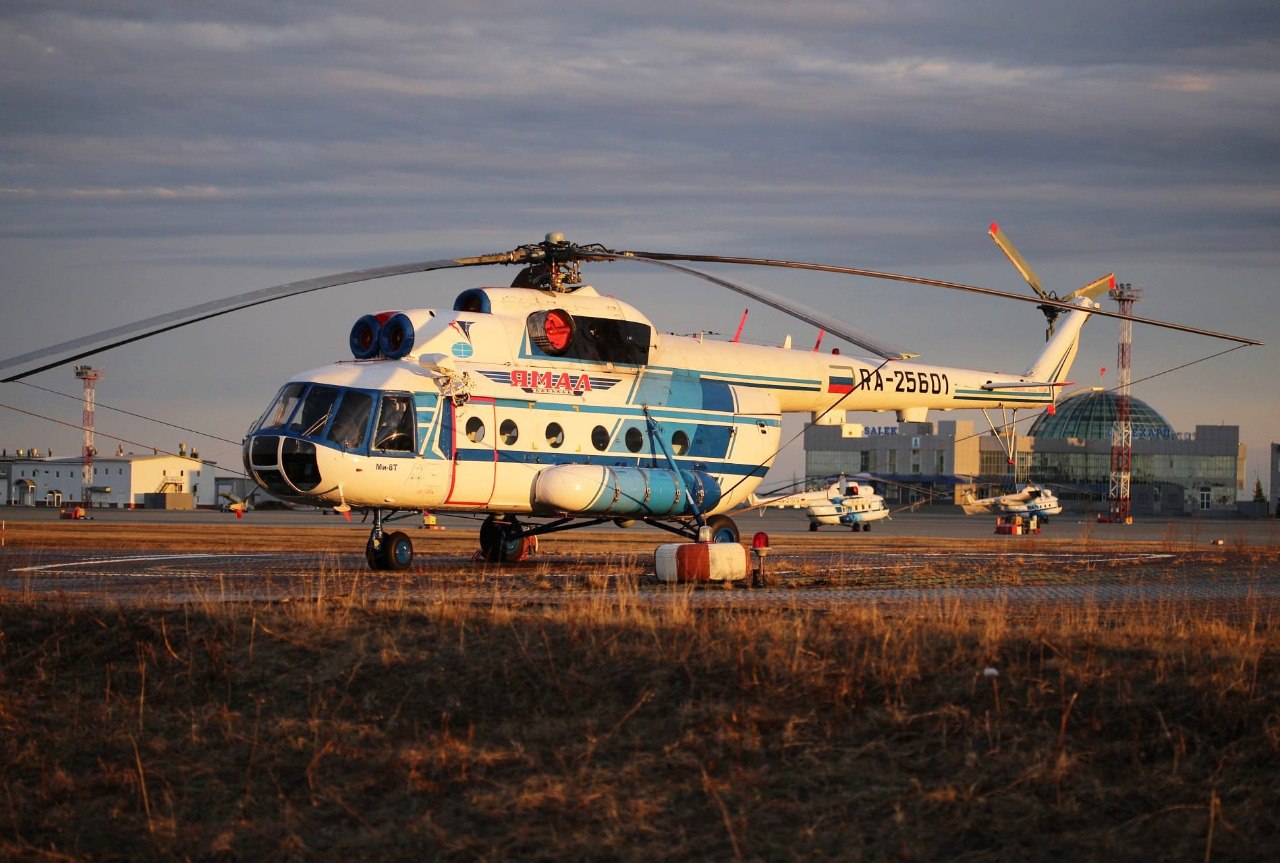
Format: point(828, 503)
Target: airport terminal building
point(1173, 473)
point(123, 480)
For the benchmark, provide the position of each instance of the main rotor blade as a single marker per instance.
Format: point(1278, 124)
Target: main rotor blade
point(143, 329)
point(833, 325)
point(916, 280)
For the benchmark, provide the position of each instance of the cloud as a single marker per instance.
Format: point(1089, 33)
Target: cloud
point(265, 141)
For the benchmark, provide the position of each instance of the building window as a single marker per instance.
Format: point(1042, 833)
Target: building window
point(940, 462)
point(1206, 498)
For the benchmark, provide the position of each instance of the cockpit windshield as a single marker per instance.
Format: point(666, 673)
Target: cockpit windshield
point(395, 424)
point(344, 417)
point(351, 422)
point(316, 409)
point(282, 408)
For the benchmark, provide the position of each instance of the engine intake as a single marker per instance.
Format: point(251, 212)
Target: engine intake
point(366, 335)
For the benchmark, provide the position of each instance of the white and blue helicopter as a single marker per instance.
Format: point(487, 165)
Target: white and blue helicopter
point(1031, 499)
point(850, 502)
point(547, 405)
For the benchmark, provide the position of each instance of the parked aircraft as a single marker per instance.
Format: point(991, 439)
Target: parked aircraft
point(548, 405)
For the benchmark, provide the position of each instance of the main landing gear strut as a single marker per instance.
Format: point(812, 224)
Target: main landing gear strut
point(504, 539)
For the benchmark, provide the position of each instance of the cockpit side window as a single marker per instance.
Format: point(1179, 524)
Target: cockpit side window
point(282, 408)
point(395, 431)
point(351, 422)
point(316, 409)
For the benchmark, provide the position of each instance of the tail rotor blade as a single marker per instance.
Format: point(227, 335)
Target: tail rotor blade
point(1015, 257)
point(1093, 289)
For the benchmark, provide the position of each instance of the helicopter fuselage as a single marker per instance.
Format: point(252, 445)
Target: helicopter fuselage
point(569, 403)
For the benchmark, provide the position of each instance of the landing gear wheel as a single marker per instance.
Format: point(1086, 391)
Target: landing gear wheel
point(722, 529)
point(813, 527)
point(397, 548)
point(866, 526)
point(501, 541)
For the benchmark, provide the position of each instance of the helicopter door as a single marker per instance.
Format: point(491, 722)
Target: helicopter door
point(475, 452)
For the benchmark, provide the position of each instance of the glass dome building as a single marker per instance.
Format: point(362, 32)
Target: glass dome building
point(1091, 415)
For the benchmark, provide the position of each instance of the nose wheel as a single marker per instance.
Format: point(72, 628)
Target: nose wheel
point(394, 551)
point(385, 551)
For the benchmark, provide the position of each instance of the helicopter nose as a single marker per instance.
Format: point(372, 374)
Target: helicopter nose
point(283, 465)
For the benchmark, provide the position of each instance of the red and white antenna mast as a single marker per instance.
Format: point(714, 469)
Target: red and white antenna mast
point(1118, 497)
point(90, 376)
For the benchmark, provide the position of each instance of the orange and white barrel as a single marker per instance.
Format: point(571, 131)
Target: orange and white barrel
point(691, 562)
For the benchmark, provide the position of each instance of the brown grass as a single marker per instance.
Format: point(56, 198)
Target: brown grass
point(611, 728)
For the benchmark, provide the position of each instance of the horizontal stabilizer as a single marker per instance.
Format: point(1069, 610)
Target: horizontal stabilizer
point(1004, 385)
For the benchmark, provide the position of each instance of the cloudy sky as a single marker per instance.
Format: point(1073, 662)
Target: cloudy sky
point(158, 155)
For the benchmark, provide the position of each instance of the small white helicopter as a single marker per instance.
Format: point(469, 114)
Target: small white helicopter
point(1031, 499)
point(847, 502)
point(550, 400)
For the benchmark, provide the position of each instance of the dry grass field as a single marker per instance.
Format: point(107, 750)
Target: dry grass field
point(345, 727)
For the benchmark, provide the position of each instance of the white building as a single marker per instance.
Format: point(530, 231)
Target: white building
point(120, 481)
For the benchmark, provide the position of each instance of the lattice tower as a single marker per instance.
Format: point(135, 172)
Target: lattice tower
point(90, 376)
point(1118, 495)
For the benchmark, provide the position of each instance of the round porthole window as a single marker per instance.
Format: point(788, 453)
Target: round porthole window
point(600, 438)
point(509, 432)
point(635, 439)
point(679, 443)
point(555, 435)
point(475, 430)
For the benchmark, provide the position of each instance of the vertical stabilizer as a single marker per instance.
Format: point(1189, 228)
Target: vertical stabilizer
point(1054, 362)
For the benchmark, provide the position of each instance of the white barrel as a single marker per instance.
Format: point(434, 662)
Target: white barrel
point(686, 562)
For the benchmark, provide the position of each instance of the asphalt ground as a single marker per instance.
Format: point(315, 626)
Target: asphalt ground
point(938, 559)
point(929, 523)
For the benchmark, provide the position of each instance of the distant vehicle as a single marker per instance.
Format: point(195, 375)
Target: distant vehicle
point(1031, 500)
point(844, 502)
point(238, 505)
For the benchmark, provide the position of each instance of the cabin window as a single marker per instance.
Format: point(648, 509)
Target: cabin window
point(600, 438)
point(395, 424)
point(475, 430)
point(315, 411)
point(351, 422)
point(509, 432)
point(679, 443)
point(282, 408)
point(635, 439)
point(555, 435)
